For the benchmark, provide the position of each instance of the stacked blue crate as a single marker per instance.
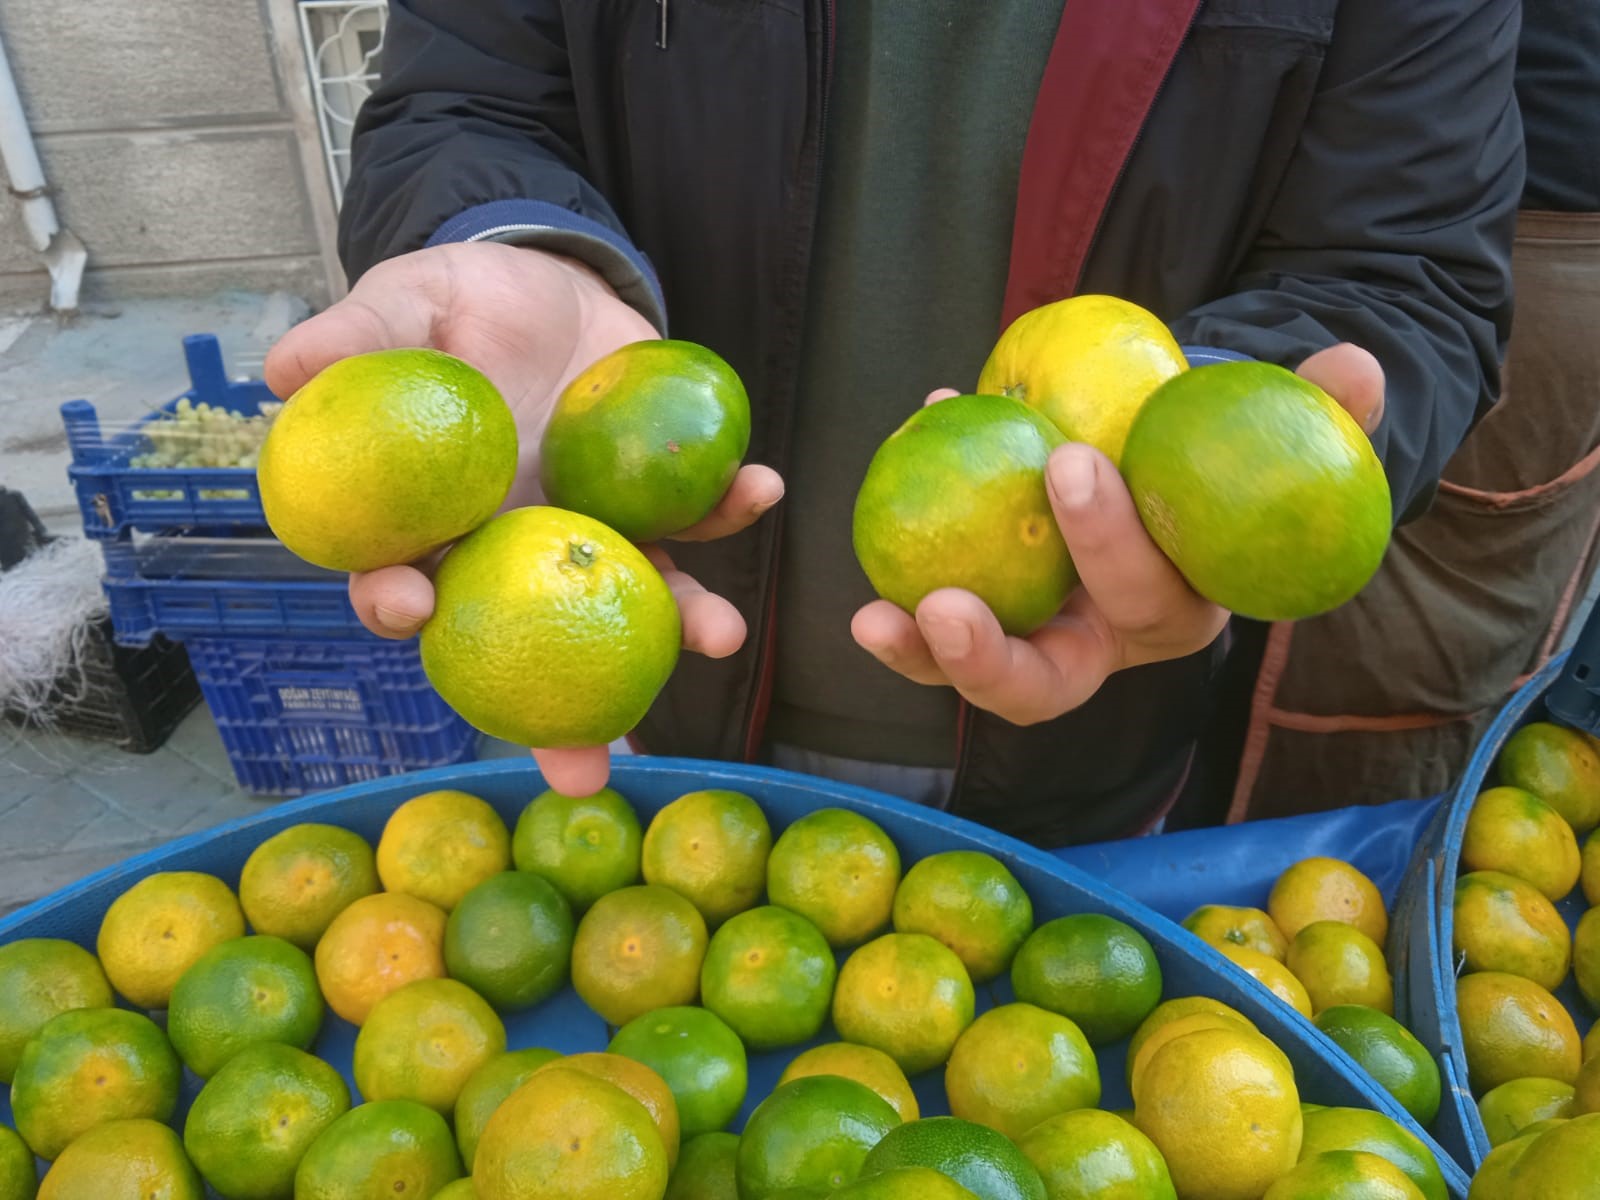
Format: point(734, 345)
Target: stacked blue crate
point(303, 696)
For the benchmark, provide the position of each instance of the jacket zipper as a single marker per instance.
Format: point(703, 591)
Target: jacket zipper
point(827, 77)
point(501, 230)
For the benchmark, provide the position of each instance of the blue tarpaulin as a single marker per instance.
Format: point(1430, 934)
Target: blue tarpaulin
point(1175, 873)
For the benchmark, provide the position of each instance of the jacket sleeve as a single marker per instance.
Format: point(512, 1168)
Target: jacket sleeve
point(1392, 226)
point(472, 134)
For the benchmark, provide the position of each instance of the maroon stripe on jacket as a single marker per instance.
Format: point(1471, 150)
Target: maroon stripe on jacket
point(1106, 67)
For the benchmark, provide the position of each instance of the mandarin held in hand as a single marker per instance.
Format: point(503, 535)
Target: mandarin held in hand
point(384, 457)
point(956, 498)
point(1263, 492)
point(647, 439)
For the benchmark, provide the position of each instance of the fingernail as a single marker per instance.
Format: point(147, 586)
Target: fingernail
point(1072, 477)
point(395, 621)
point(948, 638)
point(761, 506)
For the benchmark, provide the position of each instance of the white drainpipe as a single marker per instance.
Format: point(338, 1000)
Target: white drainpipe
point(64, 254)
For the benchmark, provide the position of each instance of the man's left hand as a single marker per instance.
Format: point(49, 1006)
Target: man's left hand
point(1131, 607)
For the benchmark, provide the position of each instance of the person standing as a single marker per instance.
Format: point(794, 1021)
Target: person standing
point(848, 201)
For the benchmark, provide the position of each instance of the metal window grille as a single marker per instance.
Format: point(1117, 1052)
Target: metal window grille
point(342, 39)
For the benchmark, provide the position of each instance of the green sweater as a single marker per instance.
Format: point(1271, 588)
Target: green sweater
point(926, 124)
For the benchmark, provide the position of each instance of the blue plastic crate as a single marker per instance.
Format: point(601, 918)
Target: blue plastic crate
point(301, 716)
point(1427, 1004)
point(186, 586)
point(1325, 1074)
point(114, 496)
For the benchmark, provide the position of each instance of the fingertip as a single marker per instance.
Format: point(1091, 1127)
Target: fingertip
point(1373, 418)
point(957, 625)
point(891, 635)
point(393, 602)
point(1354, 377)
point(283, 370)
point(939, 394)
point(394, 623)
point(954, 604)
point(754, 490)
point(874, 625)
point(763, 486)
point(575, 772)
point(715, 633)
point(950, 638)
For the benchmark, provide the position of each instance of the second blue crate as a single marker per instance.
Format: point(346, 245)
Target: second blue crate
point(187, 586)
point(298, 717)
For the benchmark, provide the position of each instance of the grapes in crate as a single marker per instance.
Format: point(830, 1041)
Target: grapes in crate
point(203, 435)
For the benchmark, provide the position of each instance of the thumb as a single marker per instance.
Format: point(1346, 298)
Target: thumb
point(1351, 376)
point(380, 313)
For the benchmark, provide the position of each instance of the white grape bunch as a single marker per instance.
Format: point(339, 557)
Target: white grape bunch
point(203, 435)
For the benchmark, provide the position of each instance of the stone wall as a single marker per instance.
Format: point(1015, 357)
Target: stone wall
point(168, 137)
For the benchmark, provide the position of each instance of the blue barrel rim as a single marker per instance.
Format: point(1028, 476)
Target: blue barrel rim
point(1511, 717)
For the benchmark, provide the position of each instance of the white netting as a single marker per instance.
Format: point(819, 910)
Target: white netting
point(49, 604)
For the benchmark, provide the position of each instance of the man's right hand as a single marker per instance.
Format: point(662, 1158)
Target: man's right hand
point(530, 321)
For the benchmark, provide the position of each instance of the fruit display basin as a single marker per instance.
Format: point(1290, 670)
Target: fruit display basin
point(1325, 1074)
point(1425, 1001)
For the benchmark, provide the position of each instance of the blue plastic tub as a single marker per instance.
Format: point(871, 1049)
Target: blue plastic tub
point(115, 497)
point(1427, 1004)
point(1238, 864)
point(1325, 1074)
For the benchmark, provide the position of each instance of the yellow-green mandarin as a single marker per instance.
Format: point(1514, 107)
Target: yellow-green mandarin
point(254, 1121)
point(1512, 830)
point(134, 1159)
point(955, 498)
point(550, 630)
point(422, 1042)
point(1260, 488)
point(1558, 765)
point(41, 978)
point(1087, 363)
point(89, 1066)
point(383, 457)
point(647, 439)
point(378, 1151)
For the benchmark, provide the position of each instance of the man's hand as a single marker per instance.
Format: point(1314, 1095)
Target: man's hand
point(530, 321)
point(1133, 607)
